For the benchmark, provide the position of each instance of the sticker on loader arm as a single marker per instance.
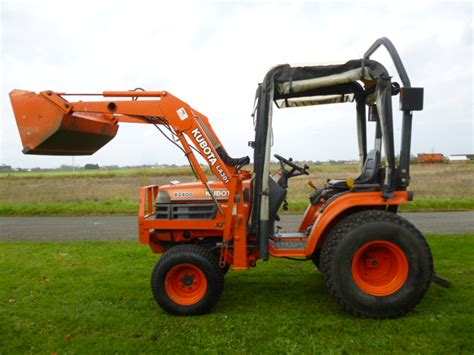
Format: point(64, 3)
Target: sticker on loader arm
point(182, 113)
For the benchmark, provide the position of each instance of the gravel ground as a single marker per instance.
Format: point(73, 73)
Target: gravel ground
point(55, 229)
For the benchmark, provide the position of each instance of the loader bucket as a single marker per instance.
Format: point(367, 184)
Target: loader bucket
point(46, 128)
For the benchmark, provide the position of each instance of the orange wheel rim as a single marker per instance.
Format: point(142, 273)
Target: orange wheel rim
point(380, 268)
point(186, 284)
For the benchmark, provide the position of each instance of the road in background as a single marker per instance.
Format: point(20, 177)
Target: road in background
point(53, 229)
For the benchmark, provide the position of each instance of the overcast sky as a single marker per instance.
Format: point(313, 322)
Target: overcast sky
point(213, 54)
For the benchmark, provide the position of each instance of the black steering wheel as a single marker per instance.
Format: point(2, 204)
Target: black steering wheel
point(289, 162)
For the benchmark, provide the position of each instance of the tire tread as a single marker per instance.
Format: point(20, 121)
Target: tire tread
point(202, 254)
point(341, 231)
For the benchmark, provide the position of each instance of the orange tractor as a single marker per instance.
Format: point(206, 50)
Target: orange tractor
point(374, 262)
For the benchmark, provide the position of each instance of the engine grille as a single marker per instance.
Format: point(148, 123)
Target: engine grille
point(185, 211)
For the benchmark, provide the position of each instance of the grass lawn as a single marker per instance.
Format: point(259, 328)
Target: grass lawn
point(89, 297)
point(121, 207)
point(418, 205)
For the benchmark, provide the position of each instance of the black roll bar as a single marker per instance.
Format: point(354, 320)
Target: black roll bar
point(403, 173)
point(384, 41)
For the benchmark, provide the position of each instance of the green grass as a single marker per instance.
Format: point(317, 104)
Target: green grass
point(80, 208)
point(436, 205)
point(120, 207)
point(94, 297)
point(422, 205)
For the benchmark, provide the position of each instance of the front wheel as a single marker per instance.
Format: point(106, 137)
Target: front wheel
point(376, 264)
point(187, 280)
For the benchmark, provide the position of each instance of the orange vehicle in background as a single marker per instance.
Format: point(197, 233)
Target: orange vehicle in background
point(374, 262)
point(430, 158)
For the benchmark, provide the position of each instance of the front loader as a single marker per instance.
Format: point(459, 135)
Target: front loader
point(374, 262)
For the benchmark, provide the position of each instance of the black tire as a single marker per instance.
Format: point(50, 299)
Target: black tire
point(217, 253)
point(316, 259)
point(187, 256)
point(225, 269)
point(367, 228)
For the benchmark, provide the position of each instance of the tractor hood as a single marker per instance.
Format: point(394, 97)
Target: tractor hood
point(195, 191)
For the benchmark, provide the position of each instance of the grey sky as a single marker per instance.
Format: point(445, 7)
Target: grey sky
point(212, 55)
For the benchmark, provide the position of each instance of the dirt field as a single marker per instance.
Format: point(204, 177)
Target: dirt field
point(434, 181)
point(439, 181)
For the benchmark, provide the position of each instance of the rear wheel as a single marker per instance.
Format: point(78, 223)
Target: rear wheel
point(316, 259)
point(187, 280)
point(376, 264)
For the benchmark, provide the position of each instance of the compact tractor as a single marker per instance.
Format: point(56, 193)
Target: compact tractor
point(374, 262)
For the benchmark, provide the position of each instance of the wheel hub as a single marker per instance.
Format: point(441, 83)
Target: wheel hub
point(186, 284)
point(371, 263)
point(187, 280)
point(380, 268)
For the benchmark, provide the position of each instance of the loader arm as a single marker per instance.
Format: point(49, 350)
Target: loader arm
point(168, 109)
point(190, 127)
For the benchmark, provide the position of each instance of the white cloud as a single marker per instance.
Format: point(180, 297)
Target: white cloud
point(212, 55)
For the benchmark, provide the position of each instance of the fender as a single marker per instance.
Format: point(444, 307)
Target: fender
point(345, 202)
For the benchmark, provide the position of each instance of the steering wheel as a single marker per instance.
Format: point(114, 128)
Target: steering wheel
point(289, 162)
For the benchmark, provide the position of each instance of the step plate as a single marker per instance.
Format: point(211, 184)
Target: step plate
point(293, 235)
point(288, 245)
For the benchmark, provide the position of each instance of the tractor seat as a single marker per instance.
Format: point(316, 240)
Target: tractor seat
point(340, 184)
point(368, 175)
point(370, 169)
